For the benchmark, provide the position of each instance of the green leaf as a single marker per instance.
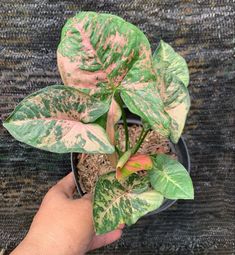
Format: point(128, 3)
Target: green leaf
point(170, 178)
point(147, 104)
point(101, 121)
point(177, 103)
point(168, 61)
point(50, 119)
point(124, 158)
point(172, 81)
point(116, 203)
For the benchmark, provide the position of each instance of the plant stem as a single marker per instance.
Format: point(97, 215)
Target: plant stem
point(119, 152)
point(126, 129)
point(140, 141)
point(119, 100)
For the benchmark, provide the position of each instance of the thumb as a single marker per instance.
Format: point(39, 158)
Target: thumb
point(66, 186)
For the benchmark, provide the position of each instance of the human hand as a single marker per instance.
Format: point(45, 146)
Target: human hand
point(63, 225)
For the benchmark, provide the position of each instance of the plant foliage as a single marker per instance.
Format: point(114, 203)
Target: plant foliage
point(105, 64)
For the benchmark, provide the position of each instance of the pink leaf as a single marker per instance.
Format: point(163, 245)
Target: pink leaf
point(135, 163)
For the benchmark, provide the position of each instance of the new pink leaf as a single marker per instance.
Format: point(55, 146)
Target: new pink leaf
point(135, 163)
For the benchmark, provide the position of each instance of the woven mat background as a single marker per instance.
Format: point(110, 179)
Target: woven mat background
point(203, 32)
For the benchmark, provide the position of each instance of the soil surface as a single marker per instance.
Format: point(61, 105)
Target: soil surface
point(90, 167)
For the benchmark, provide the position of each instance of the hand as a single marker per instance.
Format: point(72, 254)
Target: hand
point(63, 225)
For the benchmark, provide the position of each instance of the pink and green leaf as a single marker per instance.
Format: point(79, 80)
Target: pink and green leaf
point(98, 50)
point(50, 119)
point(172, 81)
point(103, 52)
point(135, 163)
point(114, 115)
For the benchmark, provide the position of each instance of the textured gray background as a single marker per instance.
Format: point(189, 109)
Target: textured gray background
point(203, 32)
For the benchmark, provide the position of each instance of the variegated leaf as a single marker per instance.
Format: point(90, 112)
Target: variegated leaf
point(116, 203)
point(50, 119)
point(168, 61)
point(97, 50)
point(172, 81)
point(134, 164)
point(103, 52)
point(177, 103)
point(170, 178)
point(148, 105)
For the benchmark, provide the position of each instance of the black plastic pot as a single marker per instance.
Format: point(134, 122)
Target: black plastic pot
point(180, 149)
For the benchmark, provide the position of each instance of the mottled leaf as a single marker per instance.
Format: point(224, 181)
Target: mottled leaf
point(177, 103)
point(139, 93)
point(134, 164)
point(50, 119)
point(97, 50)
point(103, 52)
point(172, 81)
point(170, 178)
point(116, 203)
point(168, 61)
point(114, 114)
point(147, 104)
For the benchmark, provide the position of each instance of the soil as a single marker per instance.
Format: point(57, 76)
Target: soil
point(90, 167)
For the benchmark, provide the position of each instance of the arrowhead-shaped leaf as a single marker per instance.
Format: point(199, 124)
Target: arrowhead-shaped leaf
point(97, 50)
point(172, 81)
point(102, 52)
point(170, 178)
point(168, 61)
point(147, 104)
point(50, 119)
point(134, 164)
point(116, 203)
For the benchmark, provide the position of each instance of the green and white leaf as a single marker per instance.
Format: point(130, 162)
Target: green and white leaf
point(168, 61)
point(147, 104)
point(172, 81)
point(116, 203)
point(177, 103)
point(170, 178)
point(50, 119)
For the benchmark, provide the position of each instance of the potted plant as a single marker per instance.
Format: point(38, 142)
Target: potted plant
point(106, 65)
